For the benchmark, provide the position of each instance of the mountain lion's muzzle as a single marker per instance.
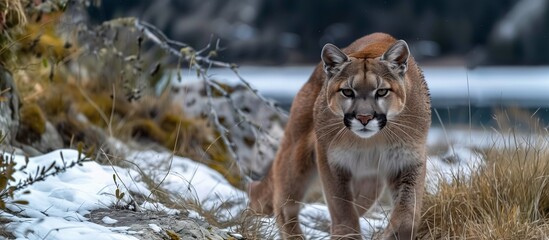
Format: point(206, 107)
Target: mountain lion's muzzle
point(365, 125)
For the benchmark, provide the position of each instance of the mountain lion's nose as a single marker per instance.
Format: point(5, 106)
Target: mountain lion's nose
point(364, 119)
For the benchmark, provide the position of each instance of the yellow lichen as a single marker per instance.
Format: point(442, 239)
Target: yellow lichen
point(96, 108)
point(172, 235)
point(41, 38)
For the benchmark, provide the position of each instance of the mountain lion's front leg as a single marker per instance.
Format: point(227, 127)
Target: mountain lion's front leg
point(366, 190)
point(339, 197)
point(295, 170)
point(407, 188)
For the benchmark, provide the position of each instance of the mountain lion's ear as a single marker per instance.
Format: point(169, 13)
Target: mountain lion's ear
point(333, 59)
point(397, 56)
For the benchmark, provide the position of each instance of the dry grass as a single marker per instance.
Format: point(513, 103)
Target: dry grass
point(508, 198)
point(4, 233)
point(14, 12)
point(247, 223)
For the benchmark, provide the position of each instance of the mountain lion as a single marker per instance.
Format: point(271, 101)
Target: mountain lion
point(361, 124)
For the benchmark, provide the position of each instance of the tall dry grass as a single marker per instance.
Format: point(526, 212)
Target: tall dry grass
point(508, 198)
point(13, 12)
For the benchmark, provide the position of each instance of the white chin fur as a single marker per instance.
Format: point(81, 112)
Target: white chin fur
point(365, 131)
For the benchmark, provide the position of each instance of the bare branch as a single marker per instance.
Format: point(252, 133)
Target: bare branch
point(160, 39)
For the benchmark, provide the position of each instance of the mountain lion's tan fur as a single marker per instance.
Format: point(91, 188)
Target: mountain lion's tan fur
point(360, 123)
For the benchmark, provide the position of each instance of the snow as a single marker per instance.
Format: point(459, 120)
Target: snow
point(108, 220)
point(466, 161)
point(58, 205)
point(158, 207)
point(155, 227)
point(191, 180)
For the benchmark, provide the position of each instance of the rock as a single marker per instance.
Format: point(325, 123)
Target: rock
point(49, 141)
point(256, 150)
point(9, 107)
point(36, 131)
point(157, 225)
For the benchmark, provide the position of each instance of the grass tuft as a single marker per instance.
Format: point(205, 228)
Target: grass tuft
point(508, 198)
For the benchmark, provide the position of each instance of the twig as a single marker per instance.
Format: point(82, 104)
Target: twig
point(220, 128)
point(188, 53)
point(243, 117)
point(5, 91)
point(270, 103)
point(43, 172)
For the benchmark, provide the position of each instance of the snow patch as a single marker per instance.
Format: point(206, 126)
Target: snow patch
point(155, 227)
point(58, 205)
point(192, 180)
point(458, 162)
point(158, 207)
point(108, 220)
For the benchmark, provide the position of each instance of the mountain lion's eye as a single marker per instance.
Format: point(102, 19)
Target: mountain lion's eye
point(382, 92)
point(347, 92)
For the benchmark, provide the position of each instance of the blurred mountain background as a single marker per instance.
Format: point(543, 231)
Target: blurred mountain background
point(287, 32)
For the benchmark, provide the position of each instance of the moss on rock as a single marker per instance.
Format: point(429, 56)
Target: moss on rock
point(32, 123)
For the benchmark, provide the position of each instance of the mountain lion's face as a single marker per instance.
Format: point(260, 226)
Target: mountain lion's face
point(366, 93)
